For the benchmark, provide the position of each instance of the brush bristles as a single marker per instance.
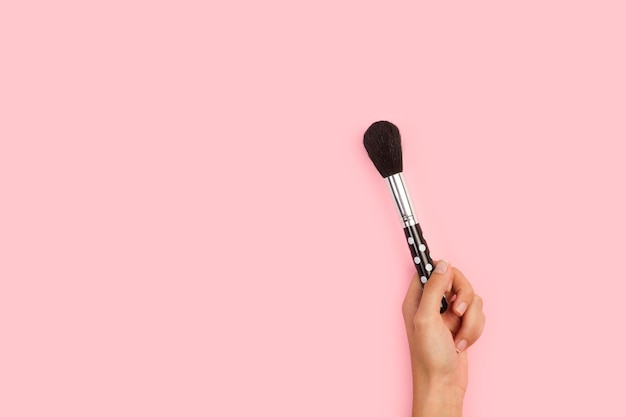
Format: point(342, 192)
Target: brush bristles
point(382, 142)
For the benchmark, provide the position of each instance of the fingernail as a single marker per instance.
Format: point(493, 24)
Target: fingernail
point(442, 267)
point(460, 347)
point(461, 308)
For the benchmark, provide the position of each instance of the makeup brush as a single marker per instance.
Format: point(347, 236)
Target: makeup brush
point(382, 142)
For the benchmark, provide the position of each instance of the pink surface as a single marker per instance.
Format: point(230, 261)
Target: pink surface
point(189, 225)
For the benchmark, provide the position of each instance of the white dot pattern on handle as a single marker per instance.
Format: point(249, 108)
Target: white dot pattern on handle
point(416, 260)
point(410, 240)
point(422, 247)
point(423, 279)
point(429, 267)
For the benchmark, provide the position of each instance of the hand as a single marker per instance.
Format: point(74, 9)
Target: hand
point(438, 342)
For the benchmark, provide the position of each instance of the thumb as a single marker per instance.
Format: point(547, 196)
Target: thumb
point(435, 288)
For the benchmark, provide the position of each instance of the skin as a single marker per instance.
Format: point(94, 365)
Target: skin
point(438, 343)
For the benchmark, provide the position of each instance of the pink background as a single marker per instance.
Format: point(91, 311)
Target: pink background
point(189, 225)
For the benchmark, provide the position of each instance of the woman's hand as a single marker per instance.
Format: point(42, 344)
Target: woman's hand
point(438, 342)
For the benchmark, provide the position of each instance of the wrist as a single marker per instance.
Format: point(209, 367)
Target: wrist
point(437, 399)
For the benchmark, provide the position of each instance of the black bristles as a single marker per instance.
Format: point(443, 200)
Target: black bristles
point(382, 142)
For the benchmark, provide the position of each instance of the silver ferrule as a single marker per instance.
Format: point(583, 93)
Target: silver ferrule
point(403, 200)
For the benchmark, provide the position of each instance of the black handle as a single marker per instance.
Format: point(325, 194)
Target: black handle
point(421, 257)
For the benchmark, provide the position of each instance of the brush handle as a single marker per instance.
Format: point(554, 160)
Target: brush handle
point(421, 257)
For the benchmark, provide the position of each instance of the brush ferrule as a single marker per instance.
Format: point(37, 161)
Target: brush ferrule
point(403, 200)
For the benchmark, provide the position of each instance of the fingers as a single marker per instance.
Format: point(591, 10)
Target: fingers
point(465, 319)
point(412, 299)
point(464, 293)
point(434, 289)
point(471, 326)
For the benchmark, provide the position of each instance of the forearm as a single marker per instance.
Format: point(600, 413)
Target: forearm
point(431, 400)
